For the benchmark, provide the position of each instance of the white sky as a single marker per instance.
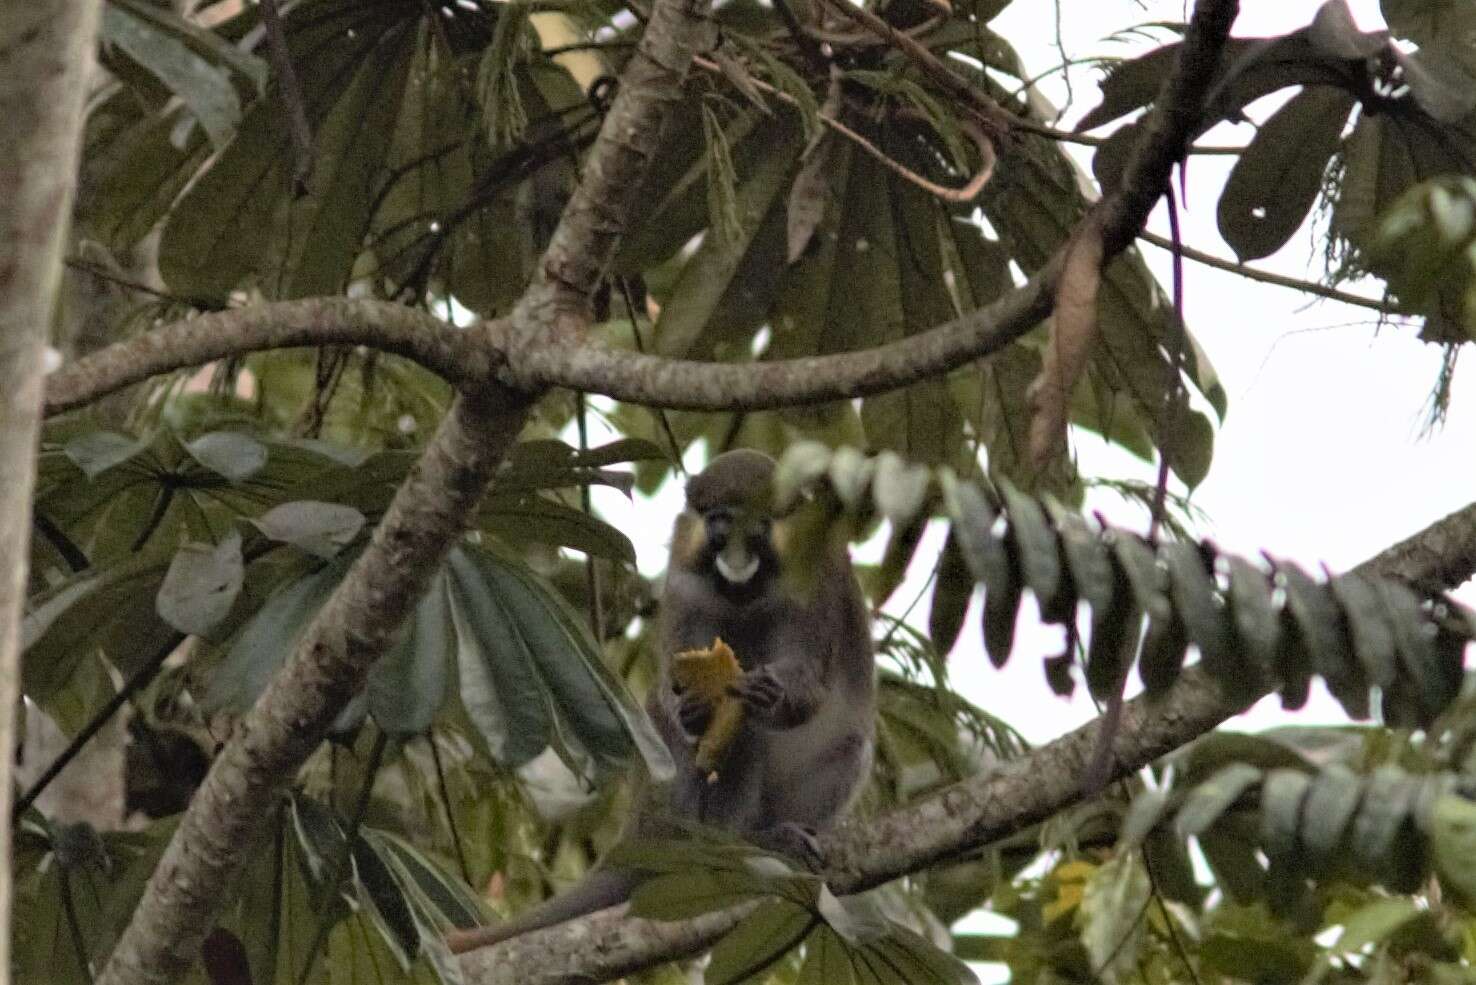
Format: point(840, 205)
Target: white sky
point(1320, 458)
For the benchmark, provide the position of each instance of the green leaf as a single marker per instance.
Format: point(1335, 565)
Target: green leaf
point(321, 529)
point(1256, 621)
point(201, 585)
point(1279, 175)
point(534, 519)
point(899, 489)
point(233, 456)
point(763, 936)
point(1319, 623)
point(1374, 923)
point(681, 895)
point(916, 959)
point(432, 892)
point(1282, 794)
point(827, 961)
point(385, 903)
point(708, 278)
point(407, 686)
point(1329, 807)
point(205, 89)
point(1111, 913)
point(94, 452)
point(1453, 845)
point(1213, 797)
point(1203, 614)
point(500, 689)
point(1147, 810)
point(1387, 801)
point(1040, 563)
point(955, 586)
point(265, 642)
point(1436, 684)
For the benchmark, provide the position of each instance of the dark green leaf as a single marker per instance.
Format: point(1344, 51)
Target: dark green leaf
point(1385, 809)
point(1040, 562)
point(1147, 810)
point(1282, 795)
point(1162, 658)
point(973, 526)
point(1203, 613)
point(500, 689)
point(268, 640)
point(386, 903)
point(750, 948)
point(1330, 805)
point(827, 961)
point(1319, 622)
point(1415, 636)
point(205, 89)
point(407, 686)
point(1148, 578)
point(1257, 623)
point(1279, 175)
point(951, 597)
point(1213, 797)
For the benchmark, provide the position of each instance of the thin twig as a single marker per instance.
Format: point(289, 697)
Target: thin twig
point(1267, 277)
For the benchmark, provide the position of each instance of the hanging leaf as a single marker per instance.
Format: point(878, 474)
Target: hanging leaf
point(1279, 175)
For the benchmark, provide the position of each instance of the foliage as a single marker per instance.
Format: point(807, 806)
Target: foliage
point(183, 545)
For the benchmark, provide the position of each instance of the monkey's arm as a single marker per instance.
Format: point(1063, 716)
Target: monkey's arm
point(596, 891)
point(783, 693)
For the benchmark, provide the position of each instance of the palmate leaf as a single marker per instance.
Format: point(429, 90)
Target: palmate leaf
point(527, 676)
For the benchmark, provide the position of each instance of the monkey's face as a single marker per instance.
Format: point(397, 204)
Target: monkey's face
point(737, 551)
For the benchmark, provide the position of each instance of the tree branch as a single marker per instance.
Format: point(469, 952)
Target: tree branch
point(964, 817)
point(1269, 277)
point(427, 516)
point(459, 355)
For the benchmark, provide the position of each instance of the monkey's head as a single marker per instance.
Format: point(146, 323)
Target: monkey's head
point(726, 532)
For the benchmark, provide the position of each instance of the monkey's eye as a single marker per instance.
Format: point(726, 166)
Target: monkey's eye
point(719, 523)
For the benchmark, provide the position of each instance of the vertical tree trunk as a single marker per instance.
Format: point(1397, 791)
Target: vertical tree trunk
point(46, 51)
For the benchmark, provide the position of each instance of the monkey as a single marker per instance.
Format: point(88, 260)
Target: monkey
point(807, 685)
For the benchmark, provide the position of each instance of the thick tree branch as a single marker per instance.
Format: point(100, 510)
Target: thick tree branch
point(45, 55)
point(460, 355)
point(965, 817)
point(427, 516)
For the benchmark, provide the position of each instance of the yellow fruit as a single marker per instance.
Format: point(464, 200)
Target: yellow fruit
point(709, 674)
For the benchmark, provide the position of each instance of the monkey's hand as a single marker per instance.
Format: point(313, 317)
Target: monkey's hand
point(760, 690)
point(693, 711)
point(779, 695)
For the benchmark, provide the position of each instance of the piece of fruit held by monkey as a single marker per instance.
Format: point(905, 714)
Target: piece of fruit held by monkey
point(806, 682)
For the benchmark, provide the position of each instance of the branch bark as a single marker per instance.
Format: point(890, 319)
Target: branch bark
point(428, 514)
point(461, 356)
point(45, 55)
point(965, 817)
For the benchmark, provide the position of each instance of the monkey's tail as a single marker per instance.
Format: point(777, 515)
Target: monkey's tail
point(596, 891)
